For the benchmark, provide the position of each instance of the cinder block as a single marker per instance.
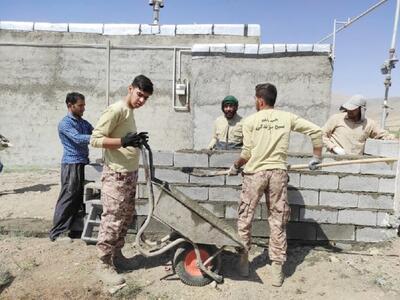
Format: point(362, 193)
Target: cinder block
point(196, 193)
point(303, 197)
point(172, 176)
point(305, 47)
point(141, 175)
point(21, 26)
point(294, 180)
point(146, 29)
point(294, 211)
point(217, 180)
point(337, 199)
point(260, 228)
point(85, 28)
point(229, 29)
point(231, 211)
point(302, 231)
point(323, 182)
point(291, 47)
point(216, 208)
point(378, 168)
point(234, 180)
point(294, 160)
point(161, 158)
point(168, 30)
point(318, 215)
point(279, 48)
point(251, 49)
point(93, 172)
point(383, 219)
point(253, 30)
point(387, 185)
point(217, 48)
point(142, 207)
point(224, 194)
point(354, 168)
point(359, 183)
point(235, 48)
point(182, 159)
point(366, 234)
point(375, 201)
point(357, 217)
point(322, 48)
point(201, 48)
point(141, 191)
point(223, 160)
point(333, 232)
point(372, 147)
point(60, 27)
point(121, 29)
point(266, 49)
point(194, 29)
point(389, 148)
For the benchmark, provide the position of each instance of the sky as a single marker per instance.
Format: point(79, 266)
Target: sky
point(361, 49)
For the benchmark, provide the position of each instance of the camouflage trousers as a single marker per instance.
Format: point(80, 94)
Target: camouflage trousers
point(272, 183)
point(118, 199)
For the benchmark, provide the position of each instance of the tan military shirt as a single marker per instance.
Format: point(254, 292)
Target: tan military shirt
point(339, 131)
point(228, 131)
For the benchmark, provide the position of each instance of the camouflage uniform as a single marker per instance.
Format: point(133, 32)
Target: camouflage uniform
point(118, 198)
point(273, 183)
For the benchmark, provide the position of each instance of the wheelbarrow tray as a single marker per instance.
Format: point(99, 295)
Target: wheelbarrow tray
point(191, 220)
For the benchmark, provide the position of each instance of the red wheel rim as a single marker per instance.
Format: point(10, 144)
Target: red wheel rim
point(190, 262)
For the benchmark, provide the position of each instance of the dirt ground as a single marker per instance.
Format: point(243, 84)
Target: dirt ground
point(42, 269)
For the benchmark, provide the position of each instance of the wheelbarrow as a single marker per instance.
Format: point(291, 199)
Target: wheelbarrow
point(197, 235)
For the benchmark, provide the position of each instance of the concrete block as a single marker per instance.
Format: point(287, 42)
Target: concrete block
point(291, 47)
point(93, 172)
point(182, 159)
point(303, 197)
point(224, 194)
point(370, 235)
point(234, 180)
point(141, 175)
point(318, 215)
point(85, 28)
point(142, 207)
point(235, 48)
point(168, 30)
point(387, 185)
point(323, 182)
point(337, 199)
point(121, 29)
point(231, 211)
point(21, 26)
point(217, 48)
point(279, 48)
point(217, 180)
point(389, 148)
point(322, 48)
point(60, 27)
point(294, 160)
point(378, 169)
point(301, 231)
point(260, 228)
point(333, 232)
point(383, 219)
point(251, 49)
point(305, 47)
point(294, 211)
point(161, 158)
point(194, 29)
point(357, 217)
point(354, 168)
point(172, 176)
point(216, 208)
point(294, 180)
point(375, 201)
point(146, 29)
point(201, 48)
point(141, 191)
point(229, 29)
point(253, 30)
point(372, 147)
point(223, 160)
point(266, 49)
point(359, 183)
point(196, 193)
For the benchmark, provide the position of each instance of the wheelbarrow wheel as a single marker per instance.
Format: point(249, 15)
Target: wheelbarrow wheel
point(185, 264)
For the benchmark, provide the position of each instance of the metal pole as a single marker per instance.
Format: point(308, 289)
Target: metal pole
point(333, 40)
point(108, 50)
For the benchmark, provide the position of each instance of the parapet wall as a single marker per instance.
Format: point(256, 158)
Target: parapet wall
point(353, 203)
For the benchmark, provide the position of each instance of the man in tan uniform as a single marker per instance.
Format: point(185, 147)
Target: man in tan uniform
point(264, 154)
point(227, 133)
point(347, 132)
point(116, 132)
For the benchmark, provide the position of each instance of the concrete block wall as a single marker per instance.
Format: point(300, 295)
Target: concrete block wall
point(335, 205)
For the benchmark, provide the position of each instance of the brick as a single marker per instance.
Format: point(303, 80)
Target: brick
point(224, 194)
point(223, 160)
point(266, 49)
point(121, 29)
point(234, 180)
point(217, 48)
point(196, 193)
point(172, 176)
point(294, 180)
point(279, 48)
point(358, 183)
point(336, 199)
point(303, 197)
point(168, 30)
point(229, 29)
point(231, 211)
point(375, 201)
point(291, 47)
point(161, 158)
point(86, 28)
point(366, 234)
point(323, 182)
point(305, 47)
point(251, 49)
point(334, 232)
point(381, 168)
point(235, 48)
point(357, 217)
point(201, 48)
point(318, 215)
point(59, 27)
point(253, 30)
point(22, 26)
point(194, 29)
point(301, 231)
point(216, 180)
point(216, 208)
point(93, 172)
point(386, 185)
point(322, 48)
point(182, 159)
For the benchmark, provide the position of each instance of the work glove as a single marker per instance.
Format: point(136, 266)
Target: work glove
point(233, 170)
point(134, 139)
point(4, 142)
point(338, 150)
point(315, 160)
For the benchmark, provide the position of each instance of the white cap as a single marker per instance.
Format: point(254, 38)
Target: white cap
point(355, 102)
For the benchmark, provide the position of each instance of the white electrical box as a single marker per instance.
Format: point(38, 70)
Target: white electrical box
point(180, 89)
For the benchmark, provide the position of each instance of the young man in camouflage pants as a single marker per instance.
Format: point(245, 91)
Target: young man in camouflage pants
point(265, 145)
point(116, 132)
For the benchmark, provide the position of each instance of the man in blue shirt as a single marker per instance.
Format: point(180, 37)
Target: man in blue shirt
point(74, 133)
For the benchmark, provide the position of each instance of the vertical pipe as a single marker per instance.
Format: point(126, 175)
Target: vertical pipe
point(173, 79)
point(333, 40)
point(108, 51)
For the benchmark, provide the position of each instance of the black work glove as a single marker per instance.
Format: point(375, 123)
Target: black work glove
point(134, 139)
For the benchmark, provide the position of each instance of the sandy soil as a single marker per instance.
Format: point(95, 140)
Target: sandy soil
point(45, 270)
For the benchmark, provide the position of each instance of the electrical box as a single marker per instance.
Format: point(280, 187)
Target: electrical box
point(180, 89)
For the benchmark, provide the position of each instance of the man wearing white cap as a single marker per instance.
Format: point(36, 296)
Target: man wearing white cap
point(347, 132)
